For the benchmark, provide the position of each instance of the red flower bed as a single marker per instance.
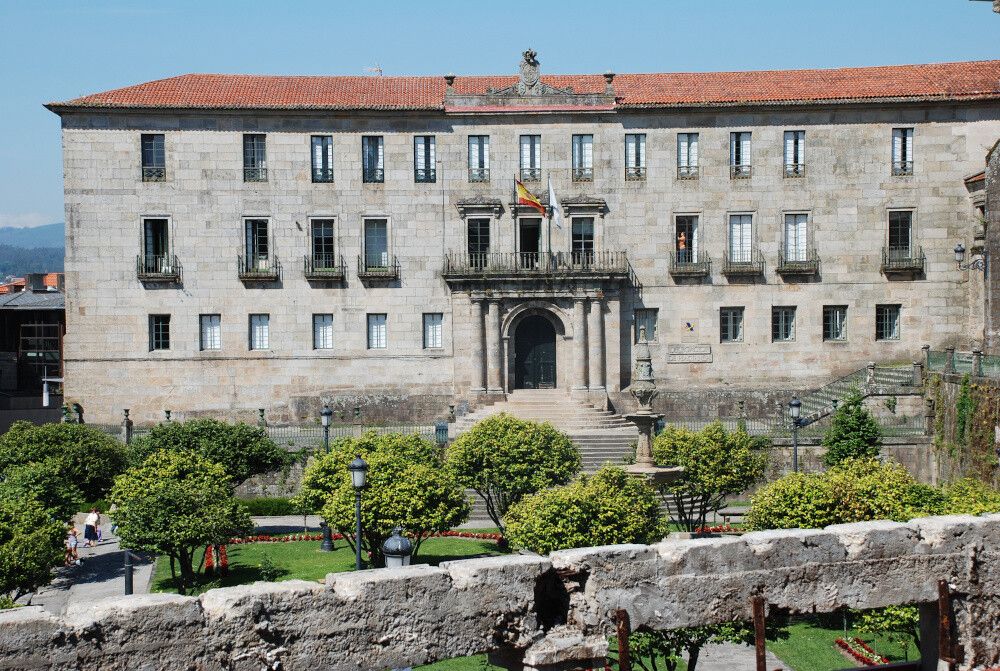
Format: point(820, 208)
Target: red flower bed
point(718, 529)
point(860, 651)
point(291, 538)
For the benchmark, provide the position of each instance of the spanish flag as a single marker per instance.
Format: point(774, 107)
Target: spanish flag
point(525, 197)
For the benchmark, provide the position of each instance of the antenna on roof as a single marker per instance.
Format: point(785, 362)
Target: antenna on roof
point(375, 70)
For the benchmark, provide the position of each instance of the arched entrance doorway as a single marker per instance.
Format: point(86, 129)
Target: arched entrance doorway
point(535, 354)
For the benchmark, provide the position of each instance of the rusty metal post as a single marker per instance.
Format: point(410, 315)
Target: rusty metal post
point(759, 633)
point(946, 651)
point(624, 630)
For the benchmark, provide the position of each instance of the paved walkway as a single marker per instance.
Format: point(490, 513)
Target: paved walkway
point(733, 657)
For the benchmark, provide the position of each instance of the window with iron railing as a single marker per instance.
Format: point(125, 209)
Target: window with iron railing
point(258, 245)
point(739, 155)
point(531, 158)
point(795, 153)
point(424, 169)
point(902, 151)
point(731, 324)
point(322, 159)
point(254, 157)
point(687, 155)
point(741, 238)
point(159, 332)
point(156, 257)
point(154, 157)
point(478, 242)
point(796, 237)
point(686, 239)
point(479, 158)
point(376, 243)
point(583, 158)
point(635, 156)
point(583, 241)
point(900, 234)
point(372, 159)
point(834, 322)
point(323, 244)
point(887, 322)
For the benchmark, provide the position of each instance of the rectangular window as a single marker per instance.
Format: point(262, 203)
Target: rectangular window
point(156, 257)
point(902, 151)
point(479, 158)
point(731, 324)
point(583, 241)
point(322, 158)
point(739, 155)
point(645, 324)
point(531, 158)
point(887, 322)
point(686, 239)
point(687, 155)
point(376, 331)
point(433, 330)
point(834, 322)
point(154, 157)
point(323, 244)
point(424, 167)
point(583, 158)
point(376, 243)
point(210, 329)
point(795, 153)
point(740, 238)
point(796, 236)
point(323, 331)
point(782, 324)
point(372, 159)
point(900, 234)
point(159, 332)
point(260, 331)
point(254, 157)
point(635, 156)
point(258, 247)
point(478, 242)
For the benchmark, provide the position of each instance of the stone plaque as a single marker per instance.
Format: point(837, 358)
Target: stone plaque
point(689, 353)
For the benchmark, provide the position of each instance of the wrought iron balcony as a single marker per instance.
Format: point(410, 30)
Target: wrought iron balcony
point(322, 175)
point(154, 173)
point(254, 174)
point(258, 268)
point(373, 175)
point(687, 172)
point(745, 265)
point(378, 267)
point(686, 264)
point(798, 266)
point(424, 175)
point(635, 173)
point(329, 267)
point(795, 170)
point(902, 168)
point(903, 260)
point(157, 268)
point(583, 174)
point(479, 174)
point(531, 174)
point(740, 171)
point(535, 264)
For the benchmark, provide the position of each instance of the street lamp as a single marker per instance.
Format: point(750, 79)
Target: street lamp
point(795, 410)
point(397, 549)
point(359, 476)
point(975, 264)
point(325, 415)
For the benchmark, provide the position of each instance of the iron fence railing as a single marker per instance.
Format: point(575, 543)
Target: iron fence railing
point(378, 266)
point(635, 173)
point(686, 264)
point(902, 167)
point(324, 267)
point(322, 175)
point(740, 171)
point(903, 260)
point(298, 437)
point(424, 175)
point(254, 174)
point(583, 174)
point(479, 174)
point(536, 263)
point(781, 427)
point(258, 268)
point(807, 265)
point(962, 363)
point(152, 173)
point(157, 268)
point(745, 264)
point(531, 174)
point(373, 175)
point(687, 172)
point(795, 170)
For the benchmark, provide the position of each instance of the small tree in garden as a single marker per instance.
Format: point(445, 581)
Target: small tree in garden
point(716, 464)
point(663, 650)
point(504, 459)
point(900, 624)
point(45, 483)
point(30, 545)
point(174, 504)
point(853, 434)
point(244, 450)
point(408, 486)
point(86, 458)
point(607, 507)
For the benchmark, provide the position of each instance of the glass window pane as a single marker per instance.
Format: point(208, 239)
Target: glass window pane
point(376, 331)
point(323, 331)
point(433, 323)
point(645, 322)
point(211, 332)
point(260, 336)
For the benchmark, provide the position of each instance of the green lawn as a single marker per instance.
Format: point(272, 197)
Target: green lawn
point(302, 560)
point(810, 647)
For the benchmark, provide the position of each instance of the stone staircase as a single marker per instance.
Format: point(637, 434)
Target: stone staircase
point(869, 380)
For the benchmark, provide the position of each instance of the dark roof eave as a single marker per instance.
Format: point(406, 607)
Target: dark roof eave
point(62, 108)
point(813, 101)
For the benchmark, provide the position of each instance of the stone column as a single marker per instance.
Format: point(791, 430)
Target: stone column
point(579, 344)
point(949, 362)
point(478, 344)
point(494, 356)
point(595, 340)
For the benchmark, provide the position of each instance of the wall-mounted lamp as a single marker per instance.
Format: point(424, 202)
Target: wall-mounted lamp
point(975, 264)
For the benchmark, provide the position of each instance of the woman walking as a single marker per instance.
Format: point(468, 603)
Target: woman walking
point(90, 528)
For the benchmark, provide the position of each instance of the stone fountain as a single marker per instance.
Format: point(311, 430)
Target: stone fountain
point(644, 390)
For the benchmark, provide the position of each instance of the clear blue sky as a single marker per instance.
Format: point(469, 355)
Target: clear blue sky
point(57, 50)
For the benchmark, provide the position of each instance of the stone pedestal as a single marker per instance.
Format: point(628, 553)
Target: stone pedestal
point(644, 466)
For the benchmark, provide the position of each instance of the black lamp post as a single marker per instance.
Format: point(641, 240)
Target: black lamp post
point(397, 549)
point(975, 264)
point(327, 544)
point(359, 476)
point(795, 410)
point(325, 415)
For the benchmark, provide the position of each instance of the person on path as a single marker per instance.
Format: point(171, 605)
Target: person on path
point(72, 541)
point(90, 528)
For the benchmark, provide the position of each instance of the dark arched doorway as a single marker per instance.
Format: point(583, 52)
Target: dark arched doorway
point(535, 354)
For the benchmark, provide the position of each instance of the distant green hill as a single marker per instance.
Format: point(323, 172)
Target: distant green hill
point(50, 235)
point(18, 261)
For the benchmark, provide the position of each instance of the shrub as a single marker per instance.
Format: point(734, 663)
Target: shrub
point(970, 497)
point(174, 504)
point(716, 464)
point(45, 483)
point(504, 458)
point(86, 457)
point(605, 508)
point(267, 506)
point(30, 545)
point(853, 433)
point(408, 486)
point(244, 450)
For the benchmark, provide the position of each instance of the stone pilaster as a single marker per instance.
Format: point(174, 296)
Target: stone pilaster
point(579, 344)
point(478, 346)
point(494, 355)
point(595, 342)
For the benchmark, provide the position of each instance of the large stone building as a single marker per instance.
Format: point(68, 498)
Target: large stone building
point(236, 242)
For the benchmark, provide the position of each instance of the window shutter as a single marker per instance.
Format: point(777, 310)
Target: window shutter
point(430, 153)
point(789, 148)
point(745, 148)
point(694, 239)
point(378, 142)
point(897, 145)
point(642, 151)
point(692, 154)
point(473, 152)
point(683, 150)
point(485, 153)
point(419, 152)
point(588, 151)
point(733, 149)
point(801, 147)
point(631, 149)
point(801, 236)
point(525, 151)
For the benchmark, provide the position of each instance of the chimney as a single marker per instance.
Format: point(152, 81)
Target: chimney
point(449, 80)
point(609, 77)
point(35, 282)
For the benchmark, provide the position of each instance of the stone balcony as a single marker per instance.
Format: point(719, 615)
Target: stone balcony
point(460, 267)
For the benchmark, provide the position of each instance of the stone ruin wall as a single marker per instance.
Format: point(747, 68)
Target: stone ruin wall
point(540, 612)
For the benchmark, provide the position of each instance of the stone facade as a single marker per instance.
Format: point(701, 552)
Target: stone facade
point(847, 191)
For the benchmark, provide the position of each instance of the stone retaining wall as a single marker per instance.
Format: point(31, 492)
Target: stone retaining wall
point(535, 611)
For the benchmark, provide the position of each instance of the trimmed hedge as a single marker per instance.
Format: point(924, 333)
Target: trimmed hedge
point(270, 506)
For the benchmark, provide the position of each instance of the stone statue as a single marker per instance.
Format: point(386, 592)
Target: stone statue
point(529, 73)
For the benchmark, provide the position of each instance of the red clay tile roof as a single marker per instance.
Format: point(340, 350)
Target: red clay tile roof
point(950, 81)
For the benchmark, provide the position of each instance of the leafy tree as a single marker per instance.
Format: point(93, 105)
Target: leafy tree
point(607, 507)
point(85, 457)
point(716, 464)
point(175, 503)
point(853, 434)
point(244, 450)
point(408, 486)
point(45, 483)
point(30, 545)
point(900, 624)
point(504, 459)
